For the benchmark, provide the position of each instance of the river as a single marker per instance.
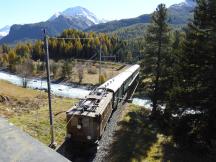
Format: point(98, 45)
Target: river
point(61, 89)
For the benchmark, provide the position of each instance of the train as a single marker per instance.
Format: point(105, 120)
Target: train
point(87, 120)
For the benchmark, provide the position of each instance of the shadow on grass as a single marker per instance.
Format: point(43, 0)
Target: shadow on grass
point(134, 138)
point(189, 154)
point(139, 138)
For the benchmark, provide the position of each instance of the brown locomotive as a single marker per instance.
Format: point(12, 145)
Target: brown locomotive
point(87, 120)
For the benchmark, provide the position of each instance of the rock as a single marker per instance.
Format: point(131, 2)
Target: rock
point(4, 99)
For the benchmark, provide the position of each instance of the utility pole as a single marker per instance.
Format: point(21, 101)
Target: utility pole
point(100, 66)
point(52, 143)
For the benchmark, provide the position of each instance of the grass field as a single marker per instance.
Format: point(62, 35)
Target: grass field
point(138, 139)
point(28, 109)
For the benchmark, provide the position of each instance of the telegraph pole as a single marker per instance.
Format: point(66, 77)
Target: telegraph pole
point(100, 66)
point(52, 140)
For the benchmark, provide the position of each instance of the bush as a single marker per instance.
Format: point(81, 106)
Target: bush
point(67, 69)
point(25, 70)
point(104, 73)
point(34, 68)
point(91, 69)
point(56, 69)
point(80, 72)
point(41, 66)
point(102, 79)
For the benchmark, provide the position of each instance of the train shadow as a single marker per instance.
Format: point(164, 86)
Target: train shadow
point(134, 138)
point(76, 152)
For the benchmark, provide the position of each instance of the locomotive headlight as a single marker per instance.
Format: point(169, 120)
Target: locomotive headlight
point(79, 126)
point(89, 137)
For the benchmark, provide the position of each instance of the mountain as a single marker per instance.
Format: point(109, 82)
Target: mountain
point(4, 31)
point(182, 12)
point(178, 14)
point(32, 32)
point(76, 18)
point(82, 19)
point(78, 12)
point(116, 24)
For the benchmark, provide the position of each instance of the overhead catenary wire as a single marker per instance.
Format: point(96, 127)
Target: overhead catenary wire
point(66, 38)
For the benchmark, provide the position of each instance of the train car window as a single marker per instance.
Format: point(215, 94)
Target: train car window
point(121, 92)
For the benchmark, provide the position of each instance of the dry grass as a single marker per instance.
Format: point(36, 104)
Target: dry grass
point(28, 109)
point(111, 70)
point(18, 92)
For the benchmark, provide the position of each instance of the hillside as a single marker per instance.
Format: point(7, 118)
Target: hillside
point(136, 31)
point(178, 14)
point(130, 32)
point(54, 27)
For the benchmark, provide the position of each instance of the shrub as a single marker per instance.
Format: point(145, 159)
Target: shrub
point(67, 68)
point(102, 79)
point(91, 69)
point(80, 72)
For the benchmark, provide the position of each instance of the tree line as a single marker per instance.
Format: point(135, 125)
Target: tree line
point(76, 48)
point(179, 72)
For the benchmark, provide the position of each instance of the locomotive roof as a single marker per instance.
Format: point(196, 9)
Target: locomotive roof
point(115, 83)
point(96, 100)
point(92, 100)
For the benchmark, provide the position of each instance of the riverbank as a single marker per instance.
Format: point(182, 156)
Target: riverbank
point(81, 72)
point(62, 89)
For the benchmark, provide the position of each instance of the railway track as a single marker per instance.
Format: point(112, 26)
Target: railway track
point(96, 153)
point(94, 119)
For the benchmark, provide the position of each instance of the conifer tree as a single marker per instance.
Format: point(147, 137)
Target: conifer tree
point(156, 57)
point(196, 88)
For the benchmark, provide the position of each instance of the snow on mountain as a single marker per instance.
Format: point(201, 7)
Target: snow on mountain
point(78, 12)
point(191, 3)
point(185, 4)
point(56, 15)
point(4, 31)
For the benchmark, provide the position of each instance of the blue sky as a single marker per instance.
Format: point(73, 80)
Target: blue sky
point(31, 11)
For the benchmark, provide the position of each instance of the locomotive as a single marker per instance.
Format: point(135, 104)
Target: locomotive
point(86, 121)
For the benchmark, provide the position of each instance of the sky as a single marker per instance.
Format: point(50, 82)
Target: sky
point(31, 11)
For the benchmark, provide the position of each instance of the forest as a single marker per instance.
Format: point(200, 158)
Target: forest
point(180, 74)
